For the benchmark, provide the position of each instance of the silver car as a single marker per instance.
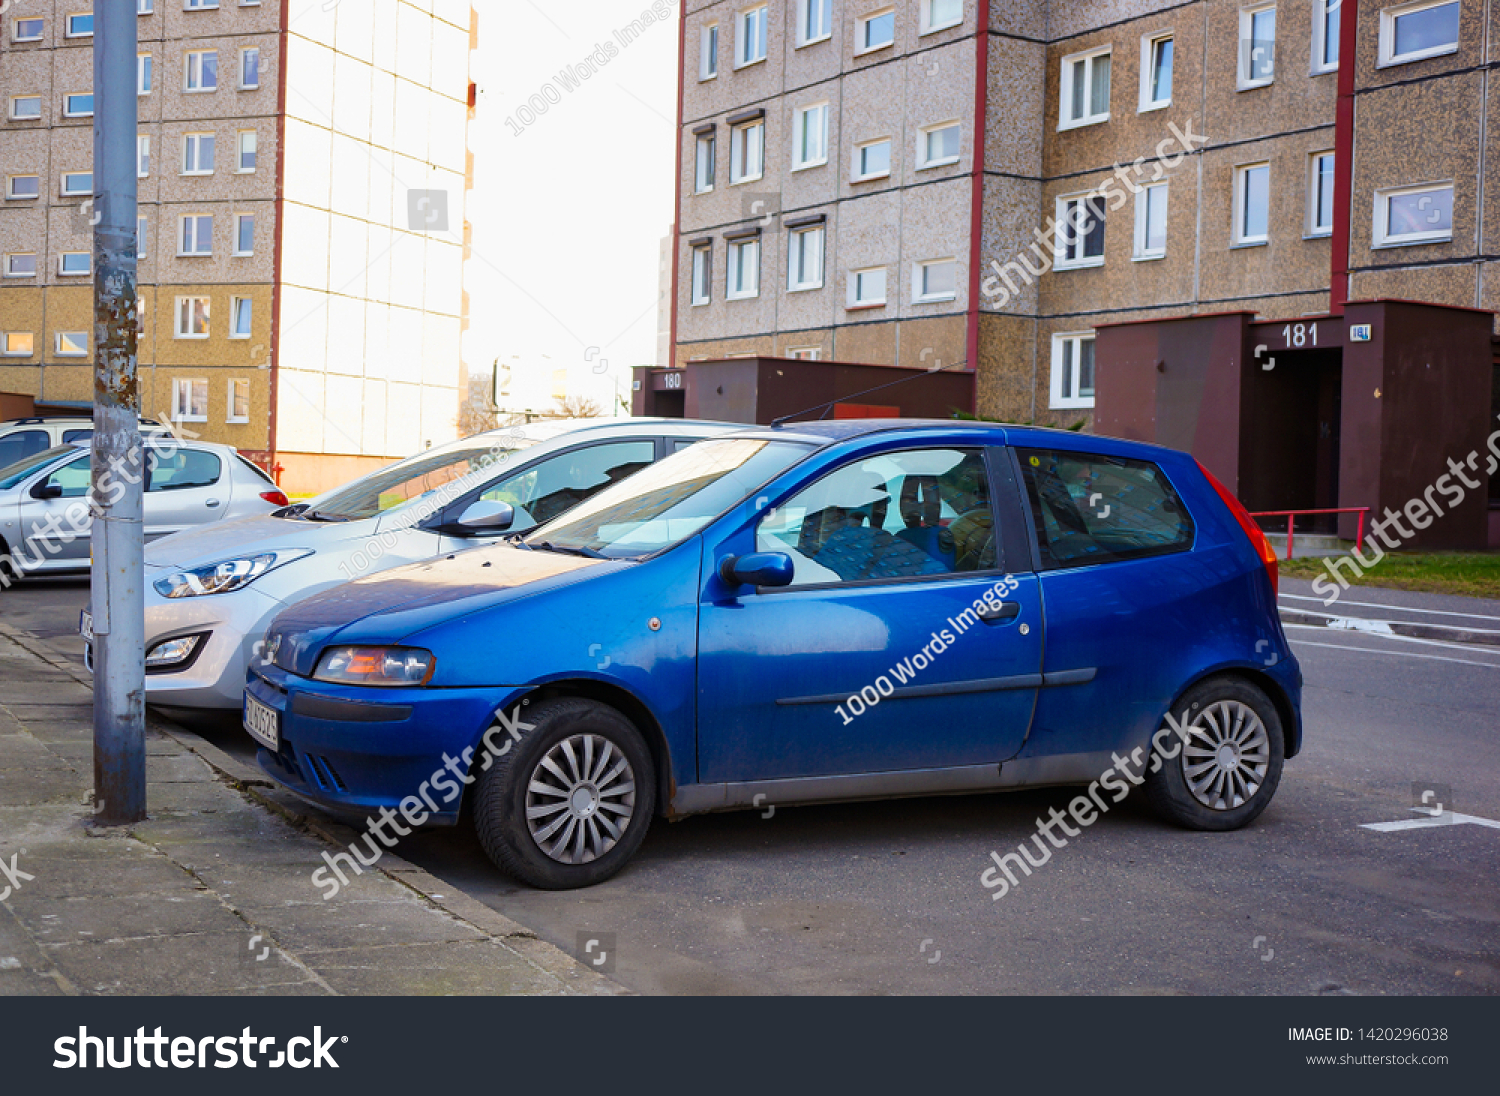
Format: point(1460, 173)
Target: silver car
point(210, 593)
point(46, 521)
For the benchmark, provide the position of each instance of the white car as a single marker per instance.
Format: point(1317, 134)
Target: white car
point(210, 593)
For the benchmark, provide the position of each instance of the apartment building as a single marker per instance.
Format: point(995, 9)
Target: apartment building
point(302, 174)
point(1158, 219)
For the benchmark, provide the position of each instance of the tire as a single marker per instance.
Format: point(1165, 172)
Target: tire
point(1226, 772)
point(577, 746)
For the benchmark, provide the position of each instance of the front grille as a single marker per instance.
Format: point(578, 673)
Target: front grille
point(325, 774)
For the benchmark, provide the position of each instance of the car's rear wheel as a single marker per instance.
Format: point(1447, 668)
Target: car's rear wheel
point(569, 805)
point(1229, 762)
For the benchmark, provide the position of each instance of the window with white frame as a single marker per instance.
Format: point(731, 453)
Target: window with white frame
point(80, 104)
point(244, 234)
point(708, 52)
point(197, 236)
point(705, 152)
point(875, 31)
point(702, 284)
point(197, 153)
point(24, 108)
point(22, 187)
point(77, 183)
point(72, 344)
point(747, 144)
point(805, 353)
point(805, 258)
point(192, 318)
point(750, 36)
point(814, 21)
point(245, 151)
point(867, 287)
point(1073, 369)
point(237, 402)
point(140, 238)
point(938, 145)
point(249, 69)
point(189, 399)
point(80, 25)
point(1320, 195)
point(872, 160)
point(1080, 231)
point(1257, 65)
point(75, 264)
point(240, 315)
point(1084, 98)
point(743, 273)
point(145, 7)
point(26, 30)
point(810, 136)
point(142, 155)
point(1325, 43)
point(1151, 221)
point(934, 280)
point(201, 70)
point(21, 264)
point(17, 344)
point(1156, 71)
point(941, 14)
point(1414, 215)
point(144, 73)
point(1252, 204)
point(1411, 32)
point(199, 5)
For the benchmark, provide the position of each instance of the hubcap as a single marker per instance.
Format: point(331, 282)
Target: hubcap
point(580, 799)
point(1226, 756)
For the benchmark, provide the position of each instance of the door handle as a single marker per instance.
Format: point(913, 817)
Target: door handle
point(213, 502)
point(1008, 610)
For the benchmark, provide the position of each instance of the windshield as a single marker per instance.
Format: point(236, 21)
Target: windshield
point(433, 476)
point(671, 500)
point(13, 474)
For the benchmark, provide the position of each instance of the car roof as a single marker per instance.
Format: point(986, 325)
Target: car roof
point(547, 429)
point(825, 432)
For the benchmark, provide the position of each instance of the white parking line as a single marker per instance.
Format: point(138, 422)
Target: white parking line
point(1399, 654)
point(1393, 638)
point(1397, 608)
point(1447, 818)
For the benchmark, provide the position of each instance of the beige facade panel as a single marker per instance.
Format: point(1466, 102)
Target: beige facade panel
point(1015, 110)
point(1011, 218)
point(1295, 99)
point(935, 342)
point(1065, 22)
point(225, 20)
point(870, 343)
point(874, 109)
point(1457, 284)
point(178, 177)
point(23, 311)
point(934, 229)
point(1008, 358)
point(1373, 70)
point(809, 308)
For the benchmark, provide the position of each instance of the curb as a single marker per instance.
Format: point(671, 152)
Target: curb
point(1376, 626)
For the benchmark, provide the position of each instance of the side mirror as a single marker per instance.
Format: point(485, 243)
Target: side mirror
point(45, 490)
point(757, 569)
point(485, 517)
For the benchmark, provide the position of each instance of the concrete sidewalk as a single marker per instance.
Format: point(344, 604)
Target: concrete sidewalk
point(212, 894)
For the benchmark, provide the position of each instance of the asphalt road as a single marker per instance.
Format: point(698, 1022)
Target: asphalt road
point(886, 898)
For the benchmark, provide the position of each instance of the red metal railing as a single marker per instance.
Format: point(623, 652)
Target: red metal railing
point(1292, 515)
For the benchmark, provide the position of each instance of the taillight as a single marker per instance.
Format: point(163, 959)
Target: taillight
point(276, 498)
point(1254, 532)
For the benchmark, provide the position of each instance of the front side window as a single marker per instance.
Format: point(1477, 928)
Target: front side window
point(1151, 221)
point(875, 31)
point(708, 52)
point(190, 400)
point(1085, 89)
point(805, 259)
point(1080, 231)
point(750, 37)
point(1411, 32)
point(938, 145)
point(476, 460)
point(1252, 204)
point(1073, 370)
point(1156, 72)
point(1326, 35)
point(1320, 195)
point(557, 484)
point(744, 269)
point(935, 281)
point(192, 319)
point(705, 151)
point(197, 235)
point(202, 71)
point(1095, 509)
point(702, 275)
point(73, 478)
point(1414, 215)
point(197, 153)
point(746, 152)
point(1257, 47)
point(811, 137)
point(898, 515)
point(872, 160)
point(867, 287)
point(814, 21)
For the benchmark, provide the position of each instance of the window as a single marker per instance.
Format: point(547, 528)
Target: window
point(199, 5)
point(1073, 370)
point(1080, 231)
point(750, 37)
point(1156, 72)
point(145, 7)
point(814, 21)
point(708, 52)
point(181, 468)
point(79, 105)
point(875, 31)
point(202, 71)
point(1325, 57)
point(140, 238)
point(240, 313)
point(17, 344)
point(557, 484)
point(79, 26)
point(237, 402)
point(26, 30)
point(898, 515)
point(805, 353)
point(743, 275)
point(245, 158)
point(1257, 47)
point(805, 259)
point(810, 140)
point(936, 280)
point(872, 160)
point(75, 183)
point(24, 107)
point(941, 14)
point(18, 187)
point(197, 235)
point(249, 69)
point(703, 259)
point(197, 153)
point(75, 264)
point(72, 344)
point(143, 73)
point(244, 234)
point(20, 444)
point(1092, 509)
point(192, 319)
point(189, 403)
point(142, 155)
point(1320, 195)
point(1411, 32)
point(746, 152)
point(867, 288)
point(1151, 221)
point(20, 265)
point(705, 152)
point(938, 145)
point(1085, 89)
point(1252, 204)
point(1414, 215)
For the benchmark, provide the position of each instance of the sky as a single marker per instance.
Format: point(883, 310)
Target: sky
point(569, 206)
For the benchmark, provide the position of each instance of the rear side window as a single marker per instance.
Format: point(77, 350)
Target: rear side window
point(182, 469)
point(84, 434)
point(21, 444)
point(1095, 509)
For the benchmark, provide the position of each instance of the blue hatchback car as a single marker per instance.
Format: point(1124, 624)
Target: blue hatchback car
point(817, 612)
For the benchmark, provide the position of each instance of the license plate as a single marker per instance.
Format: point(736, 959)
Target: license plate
point(263, 723)
point(86, 626)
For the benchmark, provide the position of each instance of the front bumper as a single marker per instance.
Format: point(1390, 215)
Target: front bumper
point(235, 623)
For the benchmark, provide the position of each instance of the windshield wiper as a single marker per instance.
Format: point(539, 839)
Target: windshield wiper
point(579, 551)
point(313, 515)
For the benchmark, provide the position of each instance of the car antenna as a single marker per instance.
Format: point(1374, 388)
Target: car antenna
point(777, 423)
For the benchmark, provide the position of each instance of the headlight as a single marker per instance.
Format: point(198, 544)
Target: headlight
point(221, 578)
point(385, 666)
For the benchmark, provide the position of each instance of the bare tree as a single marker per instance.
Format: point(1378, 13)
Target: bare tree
point(478, 413)
point(578, 407)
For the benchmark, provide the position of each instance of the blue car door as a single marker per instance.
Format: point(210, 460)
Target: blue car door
point(902, 643)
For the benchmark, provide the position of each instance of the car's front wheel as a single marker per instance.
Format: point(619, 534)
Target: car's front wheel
point(1229, 762)
point(569, 805)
